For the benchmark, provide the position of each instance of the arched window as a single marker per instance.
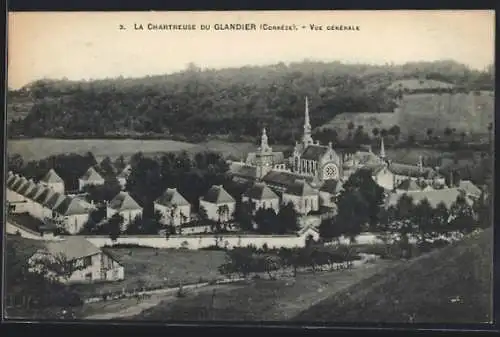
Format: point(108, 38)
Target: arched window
point(264, 204)
point(306, 203)
point(296, 163)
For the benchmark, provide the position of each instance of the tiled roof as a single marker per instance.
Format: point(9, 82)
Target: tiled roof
point(54, 201)
point(33, 194)
point(331, 186)
point(446, 195)
point(26, 188)
point(314, 152)
point(283, 178)
point(412, 171)
point(18, 184)
point(260, 191)
point(10, 180)
point(365, 158)
point(374, 168)
point(71, 206)
point(123, 201)
point(44, 195)
point(172, 197)
point(92, 175)
point(469, 188)
point(52, 177)
point(218, 195)
point(301, 188)
point(72, 248)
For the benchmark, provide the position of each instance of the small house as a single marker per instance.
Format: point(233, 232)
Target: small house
point(84, 262)
point(126, 206)
point(72, 213)
point(218, 204)
point(261, 196)
point(91, 177)
point(53, 181)
point(303, 196)
point(176, 210)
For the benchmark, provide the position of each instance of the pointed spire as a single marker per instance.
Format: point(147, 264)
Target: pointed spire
point(264, 145)
point(382, 148)
point(307, 126)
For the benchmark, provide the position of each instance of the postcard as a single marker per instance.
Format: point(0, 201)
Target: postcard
point(297, 167)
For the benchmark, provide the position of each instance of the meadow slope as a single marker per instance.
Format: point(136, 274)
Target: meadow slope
point(452, 285)
point(416, 113)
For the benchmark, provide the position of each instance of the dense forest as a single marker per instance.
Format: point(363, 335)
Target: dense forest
point(195, 103)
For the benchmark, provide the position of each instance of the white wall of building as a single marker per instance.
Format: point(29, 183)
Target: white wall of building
point(178, 220)
point(303, 205)
point(265, 204)
point(58, 187)
point(82, 183)
point(212, 210)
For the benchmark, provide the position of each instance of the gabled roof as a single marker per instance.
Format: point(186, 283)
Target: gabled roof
point(10, 180)
point(51, 177)
point(27, 187)
point(172, 197)
point(54, 201)
point(123, 201)
point(19, 183)
point(260, 191)
point(331, 186)
point(469, 188)
point(217, 195)
point(71, 206)
point(35, 192)
point(283, 178)
point(412, 171)
point(446, 195)
point(301, 188)
point(409, 185)
point(92, 175)
point(366, 157)
point(314, 152)
point(72, 248)
point(44, 195)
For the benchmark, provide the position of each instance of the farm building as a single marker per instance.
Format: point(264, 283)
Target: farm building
point(89, 262)
point(53, 181)
point(175, 209)
point(91, 177)
point(470, 189)
point(261, 196)
point(218, 204)
point(126, 206)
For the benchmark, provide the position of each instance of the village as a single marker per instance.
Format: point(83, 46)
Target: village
point(301, 193)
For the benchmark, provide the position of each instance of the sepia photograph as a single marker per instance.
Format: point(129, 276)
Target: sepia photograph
point(295, 167)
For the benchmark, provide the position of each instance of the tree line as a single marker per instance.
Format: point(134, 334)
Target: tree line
point(195, 103)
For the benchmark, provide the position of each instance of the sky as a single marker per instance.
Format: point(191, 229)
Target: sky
point(90, 45)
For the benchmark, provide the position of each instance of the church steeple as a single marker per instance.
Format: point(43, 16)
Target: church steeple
point(307, 140)
point(382, 148)
point(264, 145)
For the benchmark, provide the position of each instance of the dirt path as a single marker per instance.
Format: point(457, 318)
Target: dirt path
point(122, 308)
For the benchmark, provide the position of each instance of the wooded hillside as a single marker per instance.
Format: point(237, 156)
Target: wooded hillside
point(195, 103)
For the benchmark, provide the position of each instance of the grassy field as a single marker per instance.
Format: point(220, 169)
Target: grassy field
point(464, 112)
point(38, 148)
point(260, 300)
point(452, 285)
point(159, 267)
